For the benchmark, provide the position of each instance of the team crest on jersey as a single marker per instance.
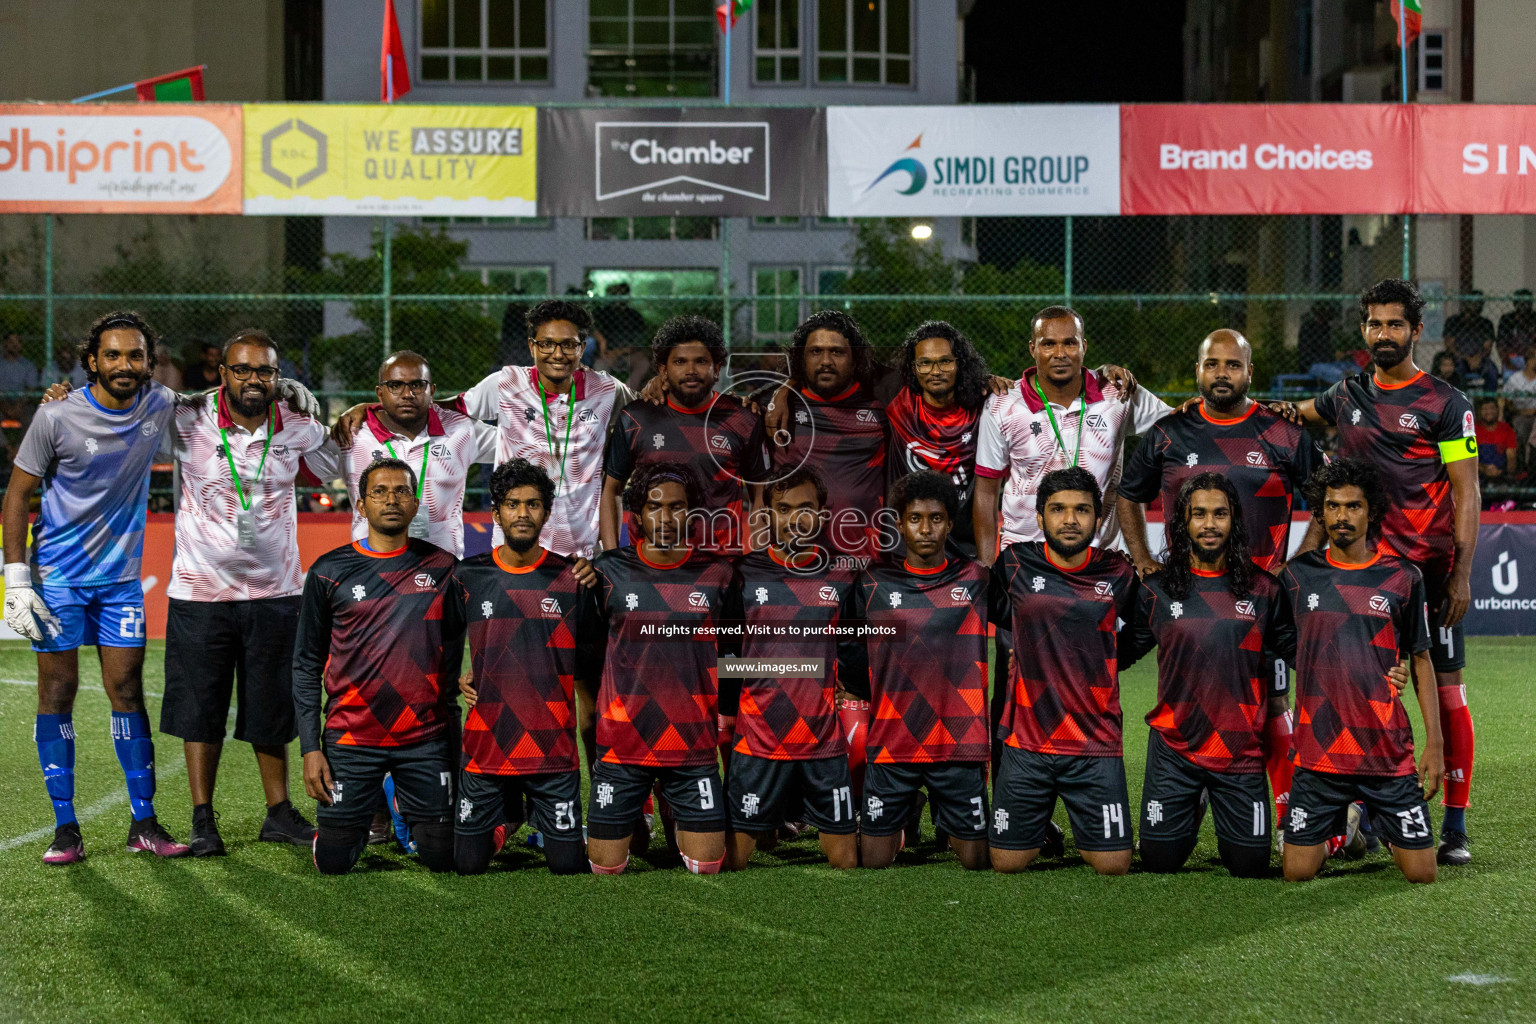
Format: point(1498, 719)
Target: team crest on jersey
point(1176, 609)
point(1034, 427)
point(865, 416)
point(1256, 458)
point(424, 580)
point(280, 450)
point(359, 592)
point(1354, 416)
point(487, 608)
point(149, 428)
point(1095, 421)
point(965, 438)
point(1246, 608)
point(827, 594)
point(961, 595)
point(761, 594)
point(530, 414)
point(586, 416)
point(1380, 604)
point(1311, 602)
point(895, 599)
point(549, 606)
point(440, 450)
point(1037, 584)
point(1468, 424)
point(1102, 588)
point(659, 441)
point(1192, 459)
point(631, 601)
point(1408, 421)
point(802, 417)
point(91, 446)
point(698, 599)
point(721, 442)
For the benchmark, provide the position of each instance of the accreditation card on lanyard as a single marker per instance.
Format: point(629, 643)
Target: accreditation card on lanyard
point(245, 518)
point(1082, 414)
point(419, 522)
point(559, 455)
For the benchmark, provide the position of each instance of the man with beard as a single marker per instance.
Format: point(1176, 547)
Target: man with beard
point(1062, 722)
point(1359, 611)
point(1265, 456)
point(439, 444)
point(520, 603)
point(789, 761)
point(1420, 434)
point(235, 584)
point(648, 644)
point(1210, 612)
point(93, 449)
point(927, 680)
point(715, 435)
point(934, 417)
point(377, 638)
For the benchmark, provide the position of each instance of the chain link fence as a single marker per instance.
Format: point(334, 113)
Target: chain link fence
point(1149, 289)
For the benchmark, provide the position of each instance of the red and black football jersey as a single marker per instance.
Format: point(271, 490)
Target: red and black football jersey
point(792, 719)
point(1353, 623)
point(928, 683)
point(372, 630)
point(648, 632)
point(722, 441)
point(843, 439)
point(1212, 681)
point(1266, 456)
point(944, 442)
point(1065, 678)
point(1410, 431)
point(522, 649)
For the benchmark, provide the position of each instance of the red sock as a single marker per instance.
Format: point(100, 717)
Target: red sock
point(1456, 727)
point(702, 867)
point(853, 715)
point(1277, 762)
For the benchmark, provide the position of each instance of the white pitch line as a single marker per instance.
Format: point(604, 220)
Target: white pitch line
point(1478, 979)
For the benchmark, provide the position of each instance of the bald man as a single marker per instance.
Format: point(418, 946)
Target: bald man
point(1266, 457)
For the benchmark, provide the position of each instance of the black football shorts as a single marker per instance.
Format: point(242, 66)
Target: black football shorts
point(423, 774)
point(618, 793)
point(1320, 808)
point(764, 793)
point(1170, 799)
point(1093, 788)
point(486, 801)
point(957, 797)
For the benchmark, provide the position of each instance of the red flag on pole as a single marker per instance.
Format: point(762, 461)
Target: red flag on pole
point(394, 75)
point(186, 84)
point(1409, 15)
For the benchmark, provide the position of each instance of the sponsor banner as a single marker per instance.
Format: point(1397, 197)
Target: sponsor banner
point(1002, 161)
point(119, 158)
point(1254, 158)
point(1504, 598)
point(310, 158)
point(1476, 158)
point(710, 161)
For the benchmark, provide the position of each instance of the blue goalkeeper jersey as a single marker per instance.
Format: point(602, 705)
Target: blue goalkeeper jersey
point(94, 463)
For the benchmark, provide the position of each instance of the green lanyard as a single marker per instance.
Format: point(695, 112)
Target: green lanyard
point(421, 478)
point(559, 455)
point(245, 506)
point(1082, 414)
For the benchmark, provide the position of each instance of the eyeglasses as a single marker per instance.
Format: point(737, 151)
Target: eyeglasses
point(265, 374)
point(567, 348)
point(385, 494)
point(929, 365)
point(397, 387)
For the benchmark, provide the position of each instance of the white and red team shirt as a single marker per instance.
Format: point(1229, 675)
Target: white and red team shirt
point(510, 396)
point(210, 564)
point(451, 444)
point(1017, 442)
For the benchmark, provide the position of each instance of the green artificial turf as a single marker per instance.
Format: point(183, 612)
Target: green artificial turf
point(258, 935)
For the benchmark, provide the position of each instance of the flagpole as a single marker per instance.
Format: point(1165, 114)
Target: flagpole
point(1402, 47)
point(729, 21)
point(105, 92)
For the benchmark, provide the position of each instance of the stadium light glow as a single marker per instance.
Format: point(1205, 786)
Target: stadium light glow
point(922, 232)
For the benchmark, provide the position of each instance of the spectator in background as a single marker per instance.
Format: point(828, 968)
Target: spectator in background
point(1314, 338)
point(1517, 332)
point(1522, 403)
point(202, 370)
point(168, 372)
point(1444, 367)
point(1470, 332)
point(66, 367)
point(1479, 371)
point(621, 331)
point(18, 374)
point(1495, 442)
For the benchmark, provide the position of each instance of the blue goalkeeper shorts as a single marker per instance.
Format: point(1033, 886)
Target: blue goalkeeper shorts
point(111, 615)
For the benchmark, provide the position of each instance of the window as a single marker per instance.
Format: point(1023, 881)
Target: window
point(778, 41)
point(775, 222)
point(484, 41)
point(834, 222)
point(651, 48)
point(1432, 60)
point(657, 229)
point(517, 280)
point(830, 280)
point(488, 222)
point(776, 307)
point(864, 41)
